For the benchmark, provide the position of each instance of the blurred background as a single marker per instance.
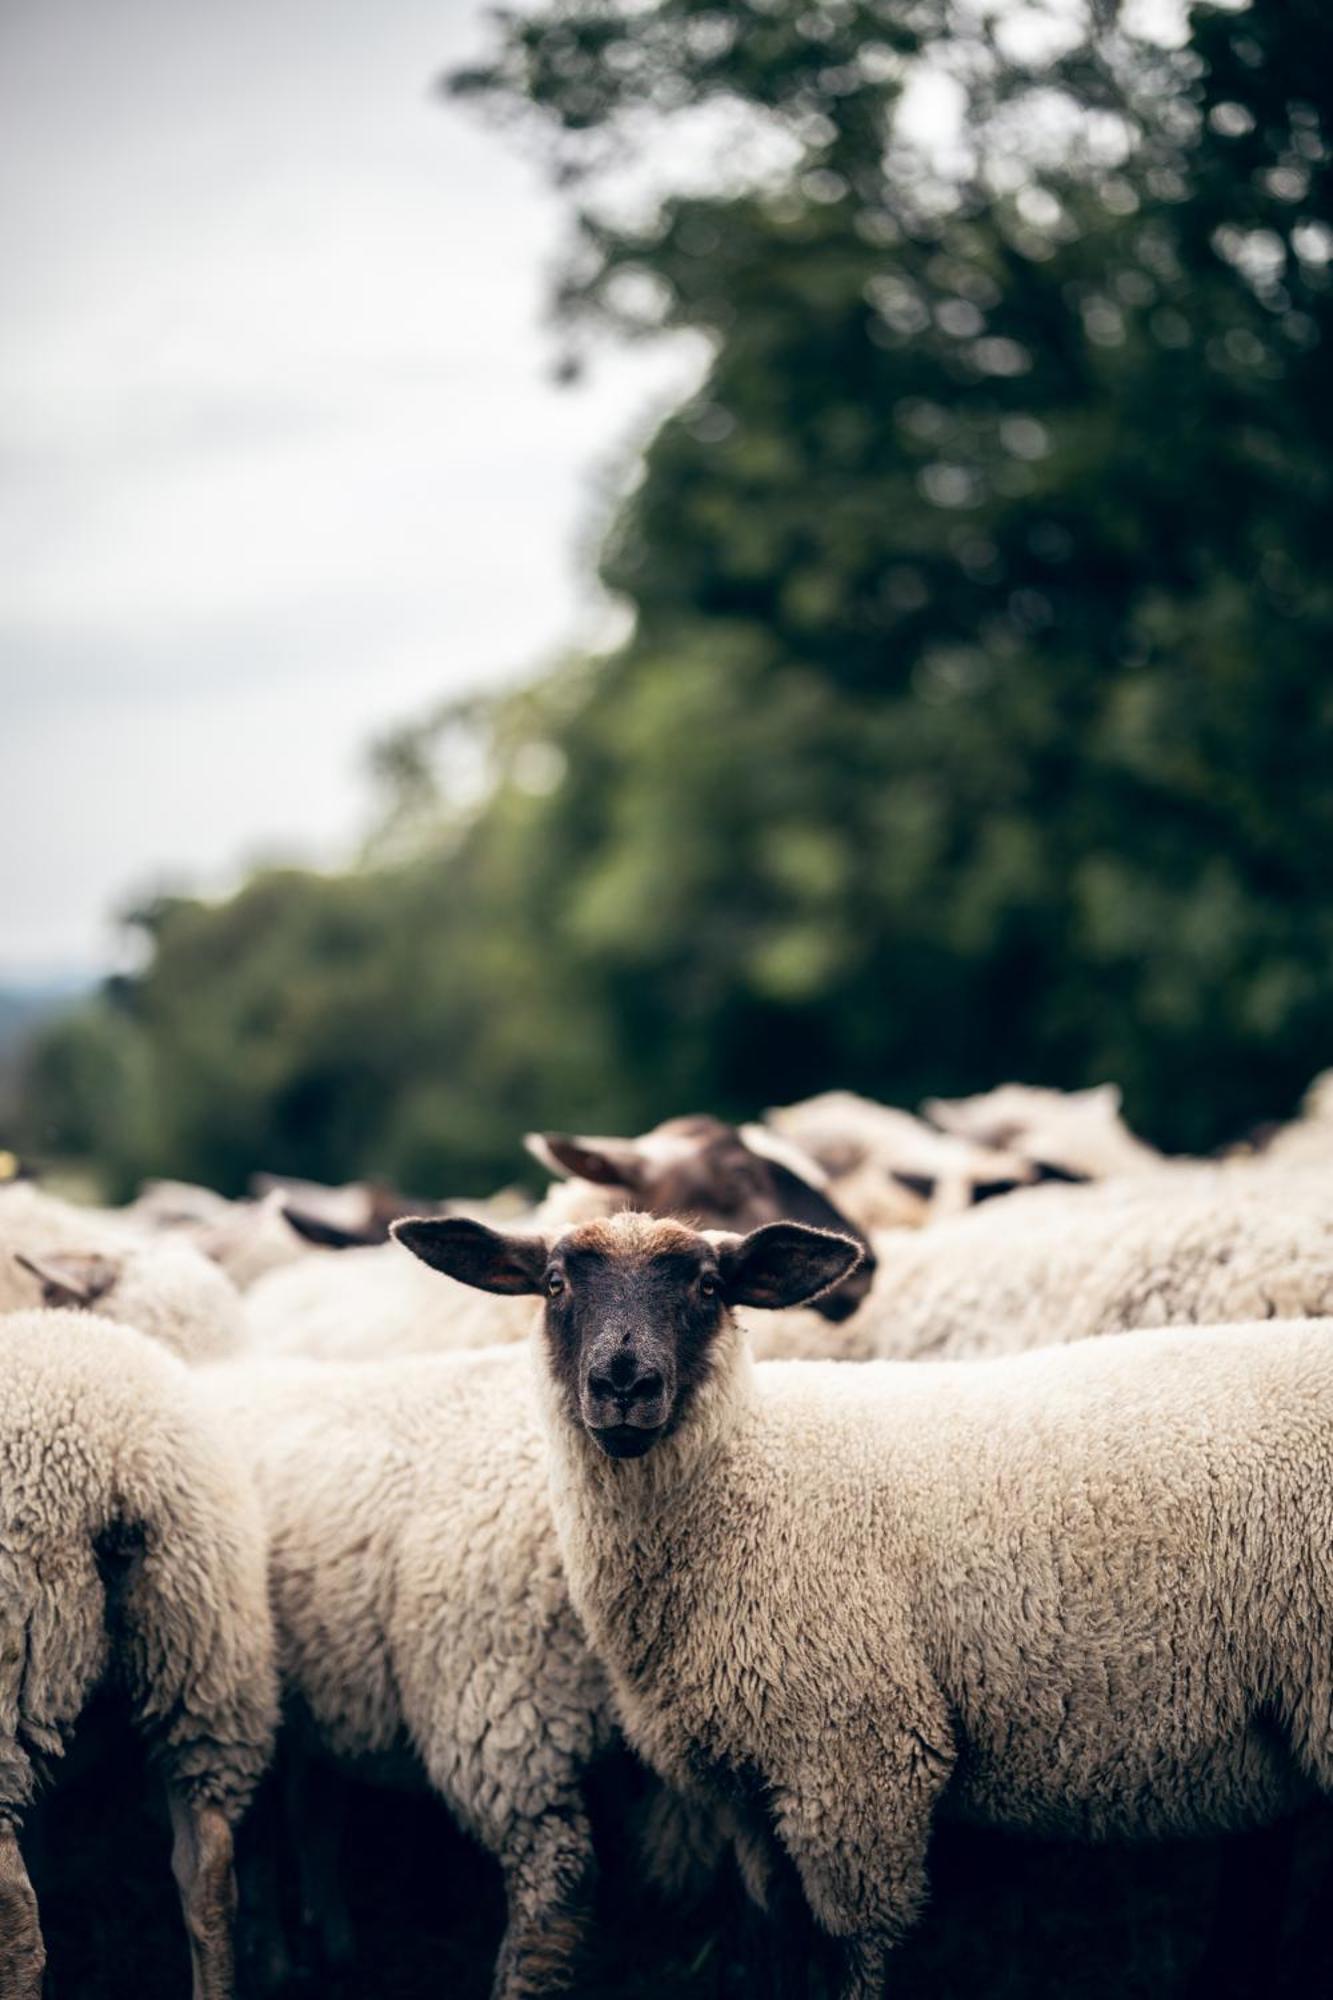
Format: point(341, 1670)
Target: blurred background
point(633, 556)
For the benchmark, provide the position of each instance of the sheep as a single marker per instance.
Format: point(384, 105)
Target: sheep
point(1080, 1132)
point(1067, 1264)
point(54, 1253)
point(244, 1239)
point(374, 1303)
point(419, 1601)
point(889, 1169)
point(133, 1554)
point(1086, 1591)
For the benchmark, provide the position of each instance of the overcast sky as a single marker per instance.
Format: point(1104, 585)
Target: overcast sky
point(281, 462)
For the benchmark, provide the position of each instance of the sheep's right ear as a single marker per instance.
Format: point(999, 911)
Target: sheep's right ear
point(784, 1264)
point(474, 1254)
point(70, 1280)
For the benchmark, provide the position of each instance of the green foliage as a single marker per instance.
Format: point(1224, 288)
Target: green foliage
point(976, 720)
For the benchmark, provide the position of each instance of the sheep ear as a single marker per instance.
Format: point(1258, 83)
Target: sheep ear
point(607, 1162)
point(71, 1280)
point(328, 1235)
point(474, 1254)
point(784, 1264)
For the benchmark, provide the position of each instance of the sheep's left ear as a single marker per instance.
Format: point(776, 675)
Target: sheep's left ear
point(491, 1260)
point(69, 1279)
point(784, 1264)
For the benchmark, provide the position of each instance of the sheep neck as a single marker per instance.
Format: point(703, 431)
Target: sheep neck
point(619, 1519)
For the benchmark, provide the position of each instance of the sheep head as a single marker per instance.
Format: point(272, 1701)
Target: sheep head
point(634, 1304)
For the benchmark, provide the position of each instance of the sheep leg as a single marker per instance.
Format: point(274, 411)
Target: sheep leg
point(859, 1848)
point(201, 1861)
point(865, 1964)
point(22, 1953)
point(549, 1873)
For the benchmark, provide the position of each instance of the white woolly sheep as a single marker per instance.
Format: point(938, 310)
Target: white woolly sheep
point(1080, 1132)
point(891, 1170)
point(55, 1253)
point(1067, 1264)
point(133, 1554)
point(419, 1599)
point(1087, 1591)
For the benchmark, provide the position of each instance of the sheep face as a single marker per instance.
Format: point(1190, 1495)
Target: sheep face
point(634, 1304)
point(716, 1176)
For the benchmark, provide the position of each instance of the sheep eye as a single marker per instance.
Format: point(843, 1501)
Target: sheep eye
point(708, 1286)
point(555, 1284)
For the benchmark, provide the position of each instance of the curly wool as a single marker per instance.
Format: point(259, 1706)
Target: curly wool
point(1071, 1264)
point(108, 1458)
point(1083, 1591)
point(416, 1579)
point(374, 1305)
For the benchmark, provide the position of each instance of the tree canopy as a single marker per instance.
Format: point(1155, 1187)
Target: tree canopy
point(975, 720)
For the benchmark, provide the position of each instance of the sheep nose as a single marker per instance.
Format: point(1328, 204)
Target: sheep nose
point(626, 1381)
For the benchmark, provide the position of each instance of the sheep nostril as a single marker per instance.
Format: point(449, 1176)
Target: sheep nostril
point(626, 1385)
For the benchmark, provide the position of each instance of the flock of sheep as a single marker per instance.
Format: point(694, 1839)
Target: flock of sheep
point(598, 1473)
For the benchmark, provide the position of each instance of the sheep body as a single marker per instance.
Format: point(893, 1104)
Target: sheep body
point(32, 1218)
point(1084, 1591)
point(373, 1305)
point(133, 1552)
point(419, 1600)
point(1082, 1131)
point(1069, 1264)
